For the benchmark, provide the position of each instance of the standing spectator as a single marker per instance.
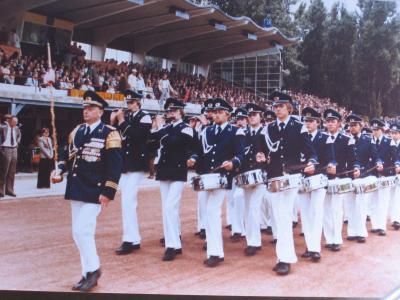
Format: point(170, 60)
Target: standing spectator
point(14, 39)
point(140, 84)
point(132, 80)
point(11, 136)
point(46, 159)
point(165, 87)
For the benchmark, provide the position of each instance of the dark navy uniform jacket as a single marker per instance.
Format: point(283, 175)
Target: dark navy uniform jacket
point(344, 154)
point(366, 154)
point(387, 153)
point(134, 131)
point(324, 149)
point(176, 146)
point(253, 144)
point(287, 146)
point(214, 149)
point(93, 162)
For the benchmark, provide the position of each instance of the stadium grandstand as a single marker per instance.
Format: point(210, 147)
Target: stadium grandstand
point(197, 48)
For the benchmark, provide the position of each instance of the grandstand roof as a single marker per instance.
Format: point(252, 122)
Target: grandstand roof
point(153, 27)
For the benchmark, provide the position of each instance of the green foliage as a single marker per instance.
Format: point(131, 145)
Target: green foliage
point(353, 58)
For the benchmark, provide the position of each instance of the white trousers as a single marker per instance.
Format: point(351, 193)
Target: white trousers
point(333, 217)
point(264, 213)
point(229, 206)
point(171, 193)
point(296, 209)
point(357, 207)
point(253, 197)
point(380, 207)
point(312, 215)
point(271, 219)
point(395, 204)
point(282, 209)
point(201, 210)
point(129, 184)
point(84, 216)
point(215, 199)
point(238, 212)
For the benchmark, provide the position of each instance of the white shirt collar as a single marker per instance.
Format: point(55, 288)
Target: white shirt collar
point(313, 134)
point(335, 135)
point(286, 121)
point(177, 123)
point(222, 126)
point(93, 126)
point(255, 129)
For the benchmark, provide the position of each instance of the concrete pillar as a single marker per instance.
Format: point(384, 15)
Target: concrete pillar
point(98, 52)
point(138, 58)
point(203, 70)
point(171, 62)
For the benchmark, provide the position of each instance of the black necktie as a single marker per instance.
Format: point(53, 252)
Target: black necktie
point(12, 136)
point(332, 137)
point(87, 131)
point(377, 142)
point(282, 125)
point(219, 129)
point(356, 138)
point(253, 133)
point(310, 136)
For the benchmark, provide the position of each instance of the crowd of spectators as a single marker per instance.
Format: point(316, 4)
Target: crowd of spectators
point(73, 71)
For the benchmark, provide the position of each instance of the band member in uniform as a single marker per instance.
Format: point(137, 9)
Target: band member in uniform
point(206, 119)
point(287, 140)
point(395, 198)
point(387, 153)
point(366, 156)
point(267, 221)
point(235, 197)
point(94, 164)
point(134, 126)
point(176, 144)
point(345, 159)
point(312, 203)
point(253, 195)
point(220, 150)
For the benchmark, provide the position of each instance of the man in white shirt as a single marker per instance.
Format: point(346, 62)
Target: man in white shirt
point(132, 80)
point(11, 137)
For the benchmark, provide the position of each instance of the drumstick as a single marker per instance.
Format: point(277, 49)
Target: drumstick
point(297, 167)
point(368, 171)
point(217, 168)
point(345, 172)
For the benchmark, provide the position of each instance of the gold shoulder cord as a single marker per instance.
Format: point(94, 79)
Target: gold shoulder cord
point(113, 140)
point(71, 143)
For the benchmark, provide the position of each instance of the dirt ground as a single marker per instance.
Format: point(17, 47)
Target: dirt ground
point(37, 253)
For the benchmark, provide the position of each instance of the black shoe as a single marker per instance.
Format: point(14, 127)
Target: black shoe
point(329, 246)
point(345, 222)
point(229, 227)
point(162, 242)
point(90, 281)
point(11, 194)
point(251, 250)
point(205, 246)
point(368, 219)
point(267, 230)
point(395, 225)
point(202, 234)
point(126, 248)
point(78, 285)
point(374, 230)
point(352, 238)
point(169, 254)
point(1, 195)
point(307, 254)
point(282, 268)
point(301, 234)
point(315, 256)
point(381, 232)
point(273, 241)
point(178, 251)
point(335, 248)
point(294, 224)
point(236, 237)
point(213, 261)
point(361, 239)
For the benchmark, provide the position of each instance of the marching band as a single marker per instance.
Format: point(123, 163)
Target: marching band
point(267, 164)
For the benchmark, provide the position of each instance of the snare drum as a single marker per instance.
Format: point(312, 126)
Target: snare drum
point(283, 183)
point(365, 185)
point(386, 182)
point(251, 178)
point(208, 182)
point(312, 183)
point(340, 186)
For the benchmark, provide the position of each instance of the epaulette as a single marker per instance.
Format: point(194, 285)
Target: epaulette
point(111, 127)
point(113, 139)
